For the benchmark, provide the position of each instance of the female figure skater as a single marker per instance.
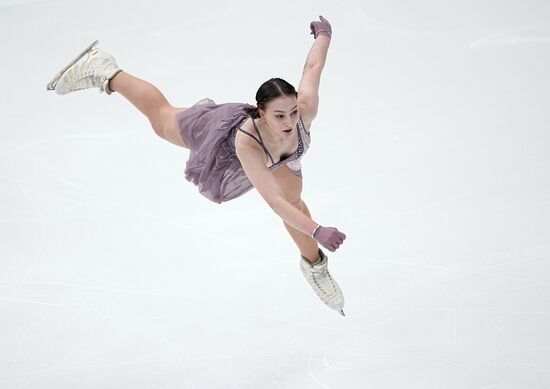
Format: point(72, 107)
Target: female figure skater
point(236, 146)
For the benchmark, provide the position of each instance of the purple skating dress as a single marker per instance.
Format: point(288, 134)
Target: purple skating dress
point(209, 130)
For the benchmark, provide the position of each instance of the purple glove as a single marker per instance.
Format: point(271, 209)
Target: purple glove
point(329, 237)
point(321, 28)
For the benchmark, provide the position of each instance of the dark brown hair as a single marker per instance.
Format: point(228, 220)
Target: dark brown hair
point(269, 90)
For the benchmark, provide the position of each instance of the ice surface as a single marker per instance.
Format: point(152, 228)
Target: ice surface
point(430, 151)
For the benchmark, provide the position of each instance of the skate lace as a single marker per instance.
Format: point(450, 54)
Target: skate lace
point(323, 282)
point(88, 77)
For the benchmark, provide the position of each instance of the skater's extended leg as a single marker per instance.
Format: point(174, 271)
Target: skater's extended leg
point(152, 103)
point(94, 68)
point(308, 246)
point(313, 266)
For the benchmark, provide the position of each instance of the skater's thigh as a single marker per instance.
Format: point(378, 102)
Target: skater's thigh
point(290, 184)
point(168, 128)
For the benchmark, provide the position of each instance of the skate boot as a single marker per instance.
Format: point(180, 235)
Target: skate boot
point(322, 283)
point(92, 68)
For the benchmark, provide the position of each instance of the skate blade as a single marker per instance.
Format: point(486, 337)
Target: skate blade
point(51, 85)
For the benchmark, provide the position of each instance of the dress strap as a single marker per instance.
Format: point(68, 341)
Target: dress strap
point(262, 142)
point(257, 140)
point(249, 134)
point(303, 126)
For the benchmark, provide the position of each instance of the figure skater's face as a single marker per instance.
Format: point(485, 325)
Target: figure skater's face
point(281, 116)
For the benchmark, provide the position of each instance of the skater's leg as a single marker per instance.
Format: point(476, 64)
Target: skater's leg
point(152, 103)
point(292, 188)
point(307, 245)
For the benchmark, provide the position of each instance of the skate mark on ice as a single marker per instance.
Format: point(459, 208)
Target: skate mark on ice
point(41, 220)
point(41, 372)
point(87, 287)
point(521, 35)
point(198, 360)
point(27, 146)
point(102, 203)
point(28, 329)
point(29, 301)
point(312, 358)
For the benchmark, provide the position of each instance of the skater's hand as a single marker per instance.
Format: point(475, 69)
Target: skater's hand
point(329, 237)
point(321, 28)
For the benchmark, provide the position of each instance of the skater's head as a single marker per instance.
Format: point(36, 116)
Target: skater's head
point(277, 106)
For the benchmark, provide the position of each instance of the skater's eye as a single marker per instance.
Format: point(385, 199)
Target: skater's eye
point(282, 116)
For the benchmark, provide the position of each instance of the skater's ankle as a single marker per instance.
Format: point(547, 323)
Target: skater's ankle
point(111, 84)
point(314, 261)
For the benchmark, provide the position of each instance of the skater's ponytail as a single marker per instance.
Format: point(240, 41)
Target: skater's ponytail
point(269, 90)
point(252, 112)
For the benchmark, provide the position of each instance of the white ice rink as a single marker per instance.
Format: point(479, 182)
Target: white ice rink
point(430, 151)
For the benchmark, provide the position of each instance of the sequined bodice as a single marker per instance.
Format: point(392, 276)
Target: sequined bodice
point(292, 160)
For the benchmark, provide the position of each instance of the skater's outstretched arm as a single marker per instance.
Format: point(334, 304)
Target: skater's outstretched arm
point(308, 90)
point(253, 162)
point(252, 159)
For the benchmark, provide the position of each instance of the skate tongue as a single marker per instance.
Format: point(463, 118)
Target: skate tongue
point(310, 263)
point(318, 261)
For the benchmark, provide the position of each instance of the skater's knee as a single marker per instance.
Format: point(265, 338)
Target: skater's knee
point(162, 120)
point(296, 200)
point(164, 124)
point(158, 127)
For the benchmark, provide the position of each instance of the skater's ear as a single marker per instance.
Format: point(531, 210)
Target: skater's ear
point(262, 113)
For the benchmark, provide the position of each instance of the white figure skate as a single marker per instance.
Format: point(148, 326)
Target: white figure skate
point(323, 284)
point(91, 68)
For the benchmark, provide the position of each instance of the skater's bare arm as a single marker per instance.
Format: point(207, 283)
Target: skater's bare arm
point(308, 90)
point(253, 163)
point(317, 55)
